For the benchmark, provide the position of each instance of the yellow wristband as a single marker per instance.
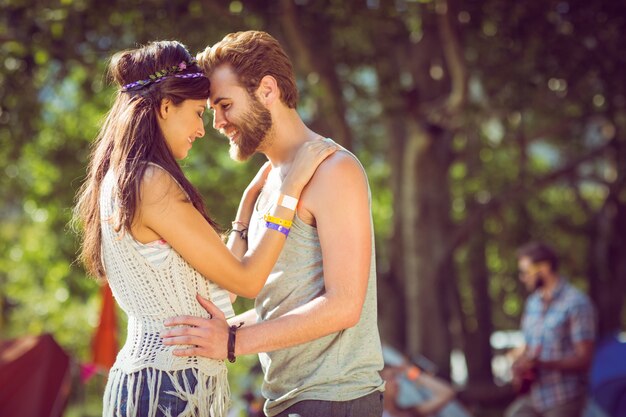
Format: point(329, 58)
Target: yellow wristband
point(277, 220)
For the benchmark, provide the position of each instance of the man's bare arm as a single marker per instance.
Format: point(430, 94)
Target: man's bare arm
point(338, 199)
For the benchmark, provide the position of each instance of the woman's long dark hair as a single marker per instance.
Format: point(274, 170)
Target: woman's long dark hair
point(130, 138)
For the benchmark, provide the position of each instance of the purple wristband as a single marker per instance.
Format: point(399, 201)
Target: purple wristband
point(274, 226)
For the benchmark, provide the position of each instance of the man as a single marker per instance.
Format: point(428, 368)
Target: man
point(559, 330)
point(315, 322)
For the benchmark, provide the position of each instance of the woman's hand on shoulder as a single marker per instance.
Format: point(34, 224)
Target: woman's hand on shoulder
point(310, 155)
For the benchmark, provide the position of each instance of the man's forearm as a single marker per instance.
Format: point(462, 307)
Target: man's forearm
point(248, 318)
point(319, 317)
point(573, 363)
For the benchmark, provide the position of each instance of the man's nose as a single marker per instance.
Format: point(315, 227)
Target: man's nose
point(218, 120)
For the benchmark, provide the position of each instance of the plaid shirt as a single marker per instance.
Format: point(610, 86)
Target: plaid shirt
point(551, 328)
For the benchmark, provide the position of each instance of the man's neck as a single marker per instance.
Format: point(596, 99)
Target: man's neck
point(288, 133)
point(549, 287)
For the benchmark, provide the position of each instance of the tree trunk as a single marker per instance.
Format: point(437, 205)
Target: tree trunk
point(310, 53)
point(391, 283)
point(607, 249)
point(417, 277)
point(427, 239)
point(477, 326)
point(420, 156)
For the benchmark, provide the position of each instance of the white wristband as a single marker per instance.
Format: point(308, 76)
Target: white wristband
point(287, 202)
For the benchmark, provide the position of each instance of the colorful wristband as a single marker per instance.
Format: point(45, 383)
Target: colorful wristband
point(232, 333)
point(287, 202)
point(239, 223)
point(277, 220)
point(282, 229)
point(243, 233)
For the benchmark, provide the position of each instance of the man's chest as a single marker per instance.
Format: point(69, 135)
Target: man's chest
point(547, 325)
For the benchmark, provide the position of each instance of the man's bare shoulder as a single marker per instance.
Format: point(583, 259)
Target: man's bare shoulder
point(339, 180)
point(341, 166)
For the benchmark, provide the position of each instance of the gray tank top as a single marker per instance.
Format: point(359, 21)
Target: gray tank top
point(339, 367)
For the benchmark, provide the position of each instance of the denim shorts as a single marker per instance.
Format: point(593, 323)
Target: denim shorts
point(168, 403)
point(370, 405)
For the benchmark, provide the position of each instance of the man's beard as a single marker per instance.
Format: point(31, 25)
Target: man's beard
point(539, 282)
point(253, 129)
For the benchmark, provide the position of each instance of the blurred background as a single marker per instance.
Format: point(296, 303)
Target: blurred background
point(482, 124)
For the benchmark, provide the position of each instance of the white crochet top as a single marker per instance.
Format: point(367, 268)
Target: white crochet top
point(149, 294)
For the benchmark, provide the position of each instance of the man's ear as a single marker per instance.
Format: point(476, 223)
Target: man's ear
point(164, 108)
point(268, 91)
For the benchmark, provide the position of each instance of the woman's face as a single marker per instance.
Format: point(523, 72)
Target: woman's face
point(181, 124)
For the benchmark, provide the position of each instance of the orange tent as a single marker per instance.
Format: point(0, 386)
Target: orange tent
point(104, 345)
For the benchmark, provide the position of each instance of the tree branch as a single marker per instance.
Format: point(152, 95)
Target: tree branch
point(453, 54)
point(516, 192)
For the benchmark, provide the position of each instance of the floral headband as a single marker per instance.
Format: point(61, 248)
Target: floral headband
point(163, 74)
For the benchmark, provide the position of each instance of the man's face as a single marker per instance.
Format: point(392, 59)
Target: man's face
point(237, 114)
point(530, 273)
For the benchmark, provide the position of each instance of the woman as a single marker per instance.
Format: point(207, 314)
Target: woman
point(146, 230)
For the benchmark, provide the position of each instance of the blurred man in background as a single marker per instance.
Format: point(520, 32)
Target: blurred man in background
point(559, 330)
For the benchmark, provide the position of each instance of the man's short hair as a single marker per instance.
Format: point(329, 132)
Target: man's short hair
point(539, 252)
point(252, 55)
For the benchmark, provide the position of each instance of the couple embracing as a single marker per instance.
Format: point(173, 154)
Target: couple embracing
point(301, 243)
